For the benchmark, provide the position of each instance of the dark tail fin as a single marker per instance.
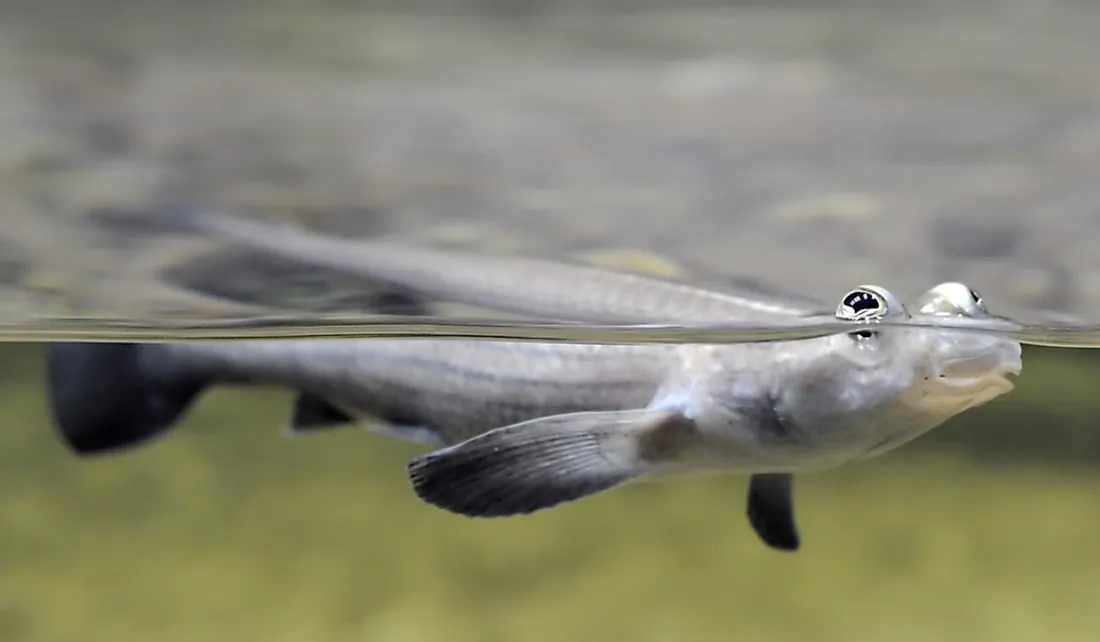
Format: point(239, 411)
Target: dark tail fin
point(107, 397)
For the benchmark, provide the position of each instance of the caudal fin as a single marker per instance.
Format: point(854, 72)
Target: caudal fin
point(106, 397)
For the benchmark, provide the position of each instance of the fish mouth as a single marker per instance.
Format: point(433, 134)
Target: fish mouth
point(988, 367)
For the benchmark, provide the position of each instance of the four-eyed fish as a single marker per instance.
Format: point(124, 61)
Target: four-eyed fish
point(520, 427)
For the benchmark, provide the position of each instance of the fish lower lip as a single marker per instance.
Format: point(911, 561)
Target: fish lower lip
point(977, 370)
point(1000, 379)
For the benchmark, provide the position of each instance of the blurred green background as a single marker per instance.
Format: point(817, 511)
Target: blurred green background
point(984, 530)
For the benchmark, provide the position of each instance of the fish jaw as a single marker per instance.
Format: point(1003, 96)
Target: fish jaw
point(949, 397)
point(971, 368)
point(955, 381)
point(995, 357)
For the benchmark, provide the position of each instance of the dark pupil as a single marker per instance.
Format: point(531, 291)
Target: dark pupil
point(861, 301)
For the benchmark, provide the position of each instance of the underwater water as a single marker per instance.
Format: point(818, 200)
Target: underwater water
point(779, 148)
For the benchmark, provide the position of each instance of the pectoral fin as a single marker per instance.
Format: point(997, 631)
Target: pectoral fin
point(771, 510)
point(538, 464)
point(314, 413)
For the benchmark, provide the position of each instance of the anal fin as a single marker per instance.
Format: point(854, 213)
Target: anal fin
point(312, 413)
point(538, 464)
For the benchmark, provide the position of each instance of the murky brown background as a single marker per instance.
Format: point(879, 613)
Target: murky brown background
point(803, 146)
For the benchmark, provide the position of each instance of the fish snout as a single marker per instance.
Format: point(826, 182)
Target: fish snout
point(984, 358)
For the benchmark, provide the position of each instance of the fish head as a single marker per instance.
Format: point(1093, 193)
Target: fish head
point(931, 368)
point(877, 386)
point(966, 365)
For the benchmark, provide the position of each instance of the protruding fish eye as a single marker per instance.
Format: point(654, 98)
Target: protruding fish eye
point(977, 299)
point(859, 304)
point(869, 304)
point(952, 299)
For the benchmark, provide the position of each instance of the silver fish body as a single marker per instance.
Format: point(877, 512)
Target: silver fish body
point(520, 427)
point(772, 407)
point(455, 389)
